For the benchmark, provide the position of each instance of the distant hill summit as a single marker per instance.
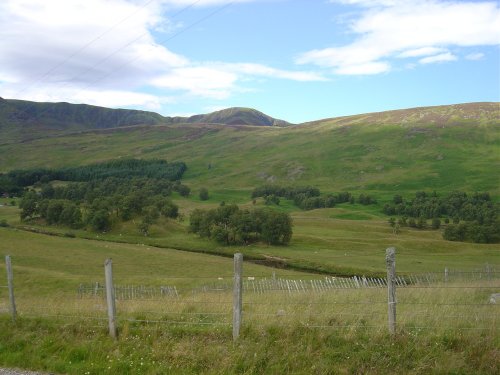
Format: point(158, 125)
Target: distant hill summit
point(23, 120)
point(237, 116)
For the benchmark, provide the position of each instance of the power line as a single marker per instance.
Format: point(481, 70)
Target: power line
point(128, 62)
point(82, 48)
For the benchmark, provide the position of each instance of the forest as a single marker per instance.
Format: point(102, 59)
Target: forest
point(14, 181)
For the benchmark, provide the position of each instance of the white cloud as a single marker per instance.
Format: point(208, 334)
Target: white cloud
point(387, 29)
point(418, 52)
point(200, 81)
point(475, 56)
point(54, 36)
point(265, 71)
point(364, 69)
point(443, 57)
point(219, 80)
point(103, 52)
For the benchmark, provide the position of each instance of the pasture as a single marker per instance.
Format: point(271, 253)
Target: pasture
point(441, 326)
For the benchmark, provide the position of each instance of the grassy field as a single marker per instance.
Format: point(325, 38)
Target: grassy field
point(446, 328)
point(348, 240)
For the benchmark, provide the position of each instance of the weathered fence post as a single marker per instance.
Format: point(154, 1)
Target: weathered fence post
point(446, 275)
point(10, 284)
point(237, 294)
point(110, 297)
point(390, 260)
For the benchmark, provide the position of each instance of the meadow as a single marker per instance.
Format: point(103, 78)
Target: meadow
point(441, 328)
point(345, 240)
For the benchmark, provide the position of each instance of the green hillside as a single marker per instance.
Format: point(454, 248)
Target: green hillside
point(438, 148)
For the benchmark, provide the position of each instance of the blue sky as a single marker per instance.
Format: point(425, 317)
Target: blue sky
point(297, 60)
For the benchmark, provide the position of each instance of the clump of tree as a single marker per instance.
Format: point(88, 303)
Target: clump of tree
point(304, 197)
point(473, 232)
point(474, 216)
point(230, 225)
point(100, 203)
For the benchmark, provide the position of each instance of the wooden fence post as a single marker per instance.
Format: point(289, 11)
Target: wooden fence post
point(110, 297)
point(446, 274)
point(390, 260)
point(10, 284)
point(237, 295)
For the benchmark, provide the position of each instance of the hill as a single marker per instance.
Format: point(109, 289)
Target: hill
point(436, 148)
point(234, 116)
point(26, 120)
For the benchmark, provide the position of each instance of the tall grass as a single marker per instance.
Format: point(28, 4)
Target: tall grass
point(441, 329)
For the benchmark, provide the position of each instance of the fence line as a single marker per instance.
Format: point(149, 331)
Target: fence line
point(247, 292)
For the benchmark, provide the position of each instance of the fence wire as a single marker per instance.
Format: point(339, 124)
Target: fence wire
point(452, 299)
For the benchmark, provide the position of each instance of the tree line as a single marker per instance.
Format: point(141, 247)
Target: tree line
point(230, 225)
point(307, 197)
point(469, 217)
point(15, 181)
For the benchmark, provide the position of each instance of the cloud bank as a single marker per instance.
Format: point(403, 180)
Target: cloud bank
point(427, 30)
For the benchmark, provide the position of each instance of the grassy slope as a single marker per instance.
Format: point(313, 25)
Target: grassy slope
point(332, 155)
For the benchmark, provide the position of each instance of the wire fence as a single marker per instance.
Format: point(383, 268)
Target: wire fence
point(448, 300)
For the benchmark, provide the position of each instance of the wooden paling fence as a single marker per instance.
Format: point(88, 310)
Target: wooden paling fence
point(273, 284)
point(263, 285)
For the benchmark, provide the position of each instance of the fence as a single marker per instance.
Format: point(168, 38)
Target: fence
point(451, 299)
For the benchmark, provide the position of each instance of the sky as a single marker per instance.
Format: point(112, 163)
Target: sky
point(297, 60)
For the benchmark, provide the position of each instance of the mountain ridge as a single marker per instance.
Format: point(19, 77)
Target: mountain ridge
point(22, 121)
point(30, 119)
